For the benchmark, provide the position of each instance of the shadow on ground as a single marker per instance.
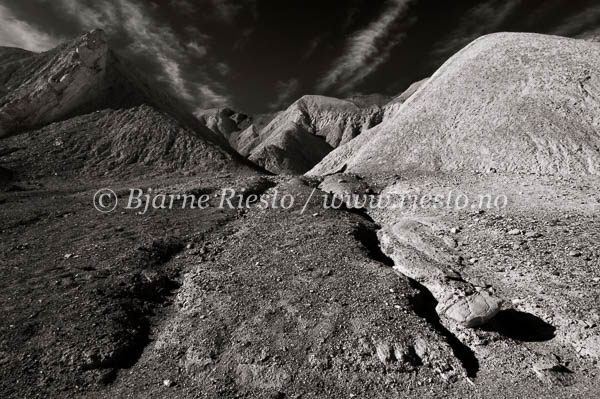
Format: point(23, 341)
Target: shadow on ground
point(521, 326)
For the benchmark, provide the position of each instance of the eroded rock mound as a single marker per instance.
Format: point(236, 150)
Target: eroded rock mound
point(513, 102)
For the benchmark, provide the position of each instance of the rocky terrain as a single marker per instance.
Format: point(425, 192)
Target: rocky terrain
point(478, 277)
point(294, 140)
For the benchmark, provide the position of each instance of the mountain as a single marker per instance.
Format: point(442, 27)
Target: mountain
point(81, 109)
point(245, 140)
point(127, 142)
point(223, 121)
point(294, 140)
point(75, 78)
point(512, 102)
point(240, 130)
point(299, 137)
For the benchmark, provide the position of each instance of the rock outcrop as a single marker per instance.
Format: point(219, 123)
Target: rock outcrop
point(421, 254)
point(40, 88)
point(512, 102)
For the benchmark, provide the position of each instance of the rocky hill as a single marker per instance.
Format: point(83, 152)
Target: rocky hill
point(510, 102)
point(223, 121)
point(294, 140)
point(128, 142)
point(75, 78)
point(240, 130)
point(80, 109)
point(298, 138)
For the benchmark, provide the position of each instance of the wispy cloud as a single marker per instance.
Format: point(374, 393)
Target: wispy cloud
point(222, 68)
point(210, 98)
point(311, 47)
point(286, 90)
point(482, 19)
point(102, 16)
point(18, 33)
point(184, 6)
point(363, 51)
point(226, 10)
point(196, 49)
point(587, 19)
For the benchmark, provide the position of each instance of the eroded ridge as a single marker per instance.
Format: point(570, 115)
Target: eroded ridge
point(421, 253)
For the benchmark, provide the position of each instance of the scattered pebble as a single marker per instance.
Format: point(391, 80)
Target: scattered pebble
point(450, 242)
point(533, 234)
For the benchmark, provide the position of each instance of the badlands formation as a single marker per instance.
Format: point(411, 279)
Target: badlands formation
point(312, 301)
point(511, 102)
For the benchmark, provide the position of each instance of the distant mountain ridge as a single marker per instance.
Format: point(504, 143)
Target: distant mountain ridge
point(294, 140)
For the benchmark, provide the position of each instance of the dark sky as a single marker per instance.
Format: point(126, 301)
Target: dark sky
point(259, 55)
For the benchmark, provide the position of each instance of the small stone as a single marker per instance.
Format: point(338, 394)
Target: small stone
point(575, 254)
point(450, 242)
point(68, 256)
point(514, 232)
point(168, 383)
point(384, 352)
point(533, 234)
point(549, 369)
point(454, 230)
